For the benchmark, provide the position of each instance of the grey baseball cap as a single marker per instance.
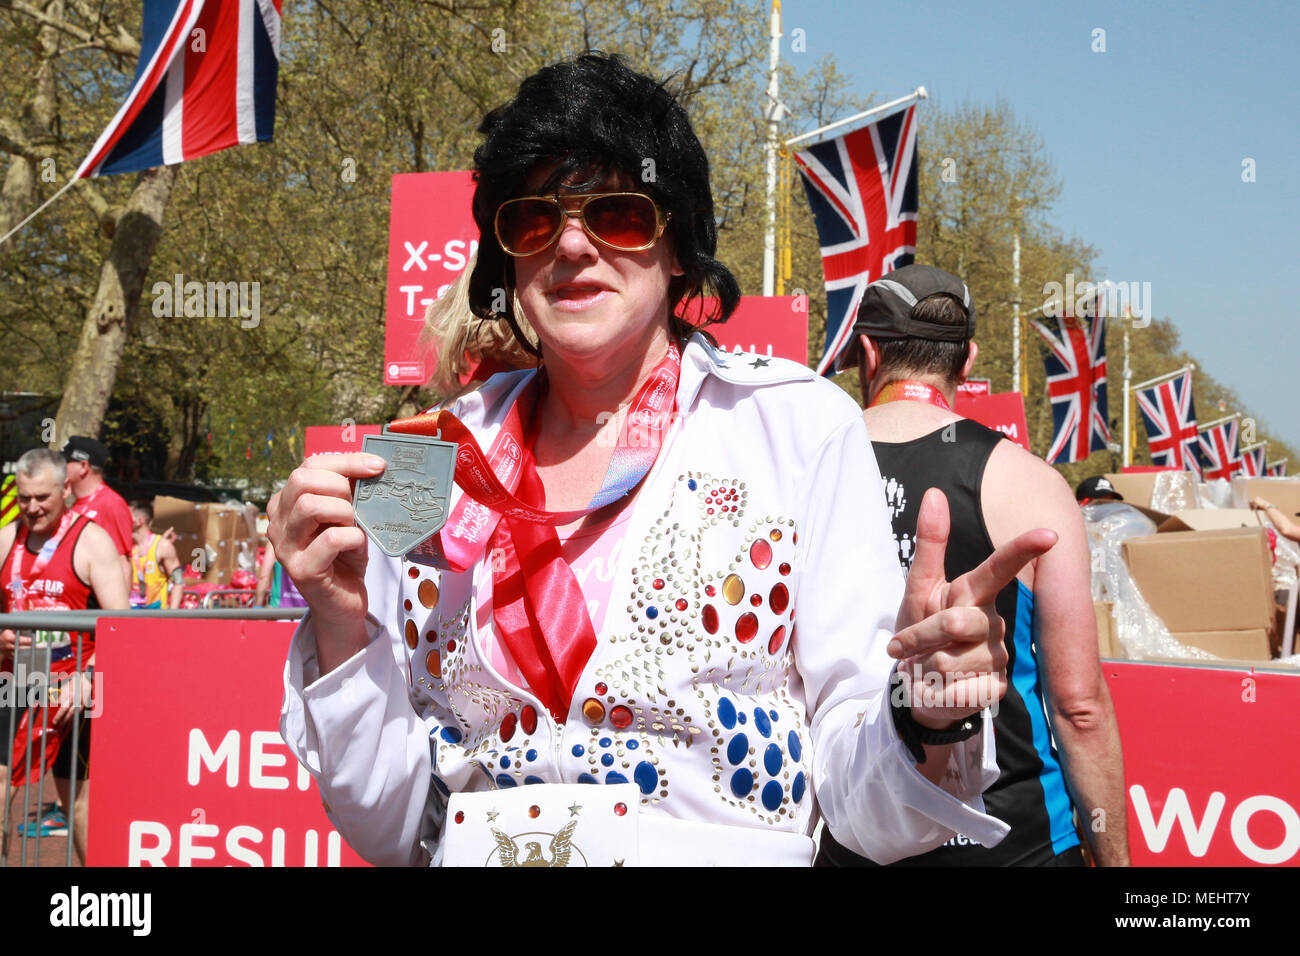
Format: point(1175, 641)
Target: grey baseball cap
point(887, 304)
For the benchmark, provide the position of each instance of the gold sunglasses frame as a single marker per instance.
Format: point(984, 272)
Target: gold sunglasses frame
point(661, 221)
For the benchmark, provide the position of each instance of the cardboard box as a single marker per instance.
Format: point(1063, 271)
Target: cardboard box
point(1138, 489)
point(176, 513)
point(1205, 580)
point(1283, 492)
point(186, 545)
point(1243, 645)
point(1108, 644)
point(1209, 519)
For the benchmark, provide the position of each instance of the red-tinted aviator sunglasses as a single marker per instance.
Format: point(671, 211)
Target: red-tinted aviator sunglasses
point(628, 222)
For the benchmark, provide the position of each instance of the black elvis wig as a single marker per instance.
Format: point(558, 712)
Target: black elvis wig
point(587, 118)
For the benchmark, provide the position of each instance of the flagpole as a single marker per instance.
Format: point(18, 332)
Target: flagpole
point(1130, 438)
point(1218, 421)
point(66, 186)
point(773, 136)
point(918, 94)
point(1189, 367)
point(1015, 312)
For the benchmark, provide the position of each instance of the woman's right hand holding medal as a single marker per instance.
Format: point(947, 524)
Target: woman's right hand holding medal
point(318, 543)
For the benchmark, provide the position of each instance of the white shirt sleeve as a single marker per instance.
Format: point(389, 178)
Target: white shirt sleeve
point(359, 736)
point(873, 798)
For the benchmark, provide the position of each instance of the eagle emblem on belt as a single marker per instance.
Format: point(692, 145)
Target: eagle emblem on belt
point(531, 853)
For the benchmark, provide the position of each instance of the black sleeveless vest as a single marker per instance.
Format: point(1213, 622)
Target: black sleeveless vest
point(1030, 793)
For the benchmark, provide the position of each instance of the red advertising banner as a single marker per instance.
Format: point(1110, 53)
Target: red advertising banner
point(188, 765)
point(975, 386)
point(431, 237)
point(775, 325)
point(336, 439)
point(1004, 411)
point(1209, 764)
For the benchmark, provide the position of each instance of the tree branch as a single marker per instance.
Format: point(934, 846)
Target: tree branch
point(119, 42)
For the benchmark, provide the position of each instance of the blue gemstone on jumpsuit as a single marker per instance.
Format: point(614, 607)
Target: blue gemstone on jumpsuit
point(771, 795)
point(646, 777)
point(742, 781)
point(772, 760)
point(727, 713)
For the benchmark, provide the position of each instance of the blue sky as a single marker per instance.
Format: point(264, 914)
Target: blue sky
point(1148, 138)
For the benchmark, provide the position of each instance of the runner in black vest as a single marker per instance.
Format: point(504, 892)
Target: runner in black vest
point(912, 344)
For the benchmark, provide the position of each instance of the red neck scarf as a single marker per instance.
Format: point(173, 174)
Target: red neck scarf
point(911, 391)
point(538, 607)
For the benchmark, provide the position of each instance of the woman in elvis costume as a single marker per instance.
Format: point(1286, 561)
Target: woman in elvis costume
point(660, 622)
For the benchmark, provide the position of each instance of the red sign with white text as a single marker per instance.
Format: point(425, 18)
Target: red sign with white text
point(775, 325)
point(975, 386)
point(431, 237)
point(337, 439)
point(189, 767)
point(1003, 411)
point(1209, 764)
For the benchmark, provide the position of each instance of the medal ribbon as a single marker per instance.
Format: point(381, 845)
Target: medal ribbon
point(538, 606)
point(910, 391)
point(17, 580)
point(18, 602)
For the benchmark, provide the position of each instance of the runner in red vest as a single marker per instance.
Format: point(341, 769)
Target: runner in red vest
point(54, 559)
point(86, 459)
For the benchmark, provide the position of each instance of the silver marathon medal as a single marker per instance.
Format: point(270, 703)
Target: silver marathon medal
point(408, 502)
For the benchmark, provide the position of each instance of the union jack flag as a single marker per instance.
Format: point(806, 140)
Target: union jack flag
point(1252, 459)
point(1220, 457)
point(205, 81)
point(1276, 469)
point(1076, 384)
point(862, 189)
point(1170, 417)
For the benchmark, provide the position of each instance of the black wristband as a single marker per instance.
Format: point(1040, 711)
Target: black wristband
point(916, 736)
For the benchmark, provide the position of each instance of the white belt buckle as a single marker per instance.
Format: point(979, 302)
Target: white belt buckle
point(544, 825)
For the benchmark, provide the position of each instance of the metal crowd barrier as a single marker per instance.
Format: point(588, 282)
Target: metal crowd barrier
point(34, 665)
point(229, 597)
